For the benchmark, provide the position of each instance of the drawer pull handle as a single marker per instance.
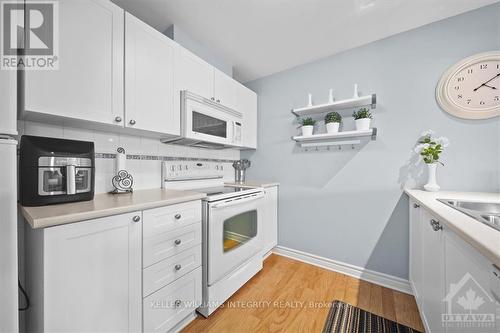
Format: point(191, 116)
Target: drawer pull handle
point(178, 267)
point(178, 242)
point(416, 205)
point(177, 303)
point(178, 216)
point(136, 218)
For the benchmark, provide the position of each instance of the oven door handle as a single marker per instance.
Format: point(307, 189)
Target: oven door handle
point(239, 200)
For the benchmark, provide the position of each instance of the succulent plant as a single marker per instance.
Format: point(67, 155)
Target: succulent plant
point(307, 122)
point(362, 114)
point(333, 117)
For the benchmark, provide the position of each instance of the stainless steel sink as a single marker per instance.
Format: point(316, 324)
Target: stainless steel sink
point(484, 212)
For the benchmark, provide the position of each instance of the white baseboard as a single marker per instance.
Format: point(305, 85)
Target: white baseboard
point(381, 279)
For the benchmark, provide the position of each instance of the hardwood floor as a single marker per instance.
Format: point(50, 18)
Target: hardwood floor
point(289, 295)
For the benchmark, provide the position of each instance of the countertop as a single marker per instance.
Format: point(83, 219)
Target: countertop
point(255, 183)
point(103, 205)
point(482, 237)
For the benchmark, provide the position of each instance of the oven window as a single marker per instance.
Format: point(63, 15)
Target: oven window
point(209, 125)
point(239, 229)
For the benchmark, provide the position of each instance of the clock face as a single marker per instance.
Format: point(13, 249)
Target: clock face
point(470, 89)
point(476, 86)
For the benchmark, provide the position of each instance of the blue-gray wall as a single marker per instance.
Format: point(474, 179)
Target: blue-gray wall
point(349, 205)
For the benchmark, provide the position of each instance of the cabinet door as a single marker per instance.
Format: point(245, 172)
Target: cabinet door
point(225, 89)
point(89, 82)
point(416, 250)
point(193, 74)
point(467, 271)
point(270, 218)
point(149, 79)
point(93, 276)
point(246, 103)
point(433, 277)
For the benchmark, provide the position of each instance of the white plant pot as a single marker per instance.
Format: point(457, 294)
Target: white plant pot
point(307, 130)
point(332, 128)
point(363, 124)
point(431, 185)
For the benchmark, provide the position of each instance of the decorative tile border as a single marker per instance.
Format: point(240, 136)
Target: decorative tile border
point(162, 158)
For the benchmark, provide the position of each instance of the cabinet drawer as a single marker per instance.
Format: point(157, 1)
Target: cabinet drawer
point(169, 305)
point(164, 219)
point(168, 270)
point(167, 244)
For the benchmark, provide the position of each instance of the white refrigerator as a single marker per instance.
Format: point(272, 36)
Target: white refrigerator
point(8, 203)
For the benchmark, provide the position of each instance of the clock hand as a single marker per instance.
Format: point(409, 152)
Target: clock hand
point(490, 86)
point(482, 85)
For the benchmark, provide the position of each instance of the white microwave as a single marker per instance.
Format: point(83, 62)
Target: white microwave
point(205, 123)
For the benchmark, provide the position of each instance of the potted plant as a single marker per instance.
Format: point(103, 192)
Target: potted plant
point(363, 118)
point(429, 149)
point(332, 122)
point(307, 126)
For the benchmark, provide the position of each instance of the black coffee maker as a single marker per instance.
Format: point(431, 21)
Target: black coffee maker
point(55, 171)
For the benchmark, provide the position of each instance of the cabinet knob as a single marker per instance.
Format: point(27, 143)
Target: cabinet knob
point(177, 242)
point(177, 303)
point(218, 101)
point(213, 98)
point(118, 119)
point(177, 267)
point(416, 205)
point(136, 218)
point(132, 122)
point(178, 216)
point(435, 225)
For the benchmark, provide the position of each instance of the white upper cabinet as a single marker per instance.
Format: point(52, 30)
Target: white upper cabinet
point(89, 82)
point(225, 89)
point(193, 74)
point(149, 79)
point(246, 103)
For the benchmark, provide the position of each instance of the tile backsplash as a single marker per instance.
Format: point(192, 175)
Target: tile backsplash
point(146, 172)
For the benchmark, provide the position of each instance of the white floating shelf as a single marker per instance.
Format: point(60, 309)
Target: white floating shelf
point(336, 139)
point(369, 100)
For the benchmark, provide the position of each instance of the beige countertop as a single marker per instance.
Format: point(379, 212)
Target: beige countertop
point(256, 183)
point(482, 237)
point(103, 205)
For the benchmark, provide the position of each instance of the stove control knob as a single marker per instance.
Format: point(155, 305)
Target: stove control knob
point(222, 167)
point(216, 167)
point(172, 168)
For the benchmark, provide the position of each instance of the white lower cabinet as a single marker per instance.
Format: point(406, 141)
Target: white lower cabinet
point(85, 277)
point(450, 279)
point(167, 307)
point(270, 218)
point(89, 276)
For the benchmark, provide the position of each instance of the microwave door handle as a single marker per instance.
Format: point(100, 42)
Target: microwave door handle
point(70, 179)
point(234, 202)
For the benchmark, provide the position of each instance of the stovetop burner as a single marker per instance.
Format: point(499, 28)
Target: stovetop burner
point(212, 191)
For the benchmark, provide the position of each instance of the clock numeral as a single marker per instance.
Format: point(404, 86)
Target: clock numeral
point(457, 87)
point(469, 100)
point(460, 79)
point(481, 103)
point(459, 96)
point(470, 71)
point(496, 98)
point(484, 66)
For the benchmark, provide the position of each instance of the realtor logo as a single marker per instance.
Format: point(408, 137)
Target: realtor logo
point(469, 306)
point(29, 35)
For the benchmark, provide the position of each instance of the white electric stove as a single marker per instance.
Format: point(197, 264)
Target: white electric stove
point(232, 228)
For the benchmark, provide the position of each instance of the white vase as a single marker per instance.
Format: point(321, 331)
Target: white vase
point(431, 185)
point(363, 124)
point(307, 130)
point(332, 128)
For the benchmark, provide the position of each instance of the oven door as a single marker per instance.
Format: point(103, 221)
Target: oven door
point(234, 233)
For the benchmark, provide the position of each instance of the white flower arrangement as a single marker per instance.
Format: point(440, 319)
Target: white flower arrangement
point(429, 147)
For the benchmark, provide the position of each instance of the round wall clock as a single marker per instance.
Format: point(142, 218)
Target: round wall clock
point(470, 89)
